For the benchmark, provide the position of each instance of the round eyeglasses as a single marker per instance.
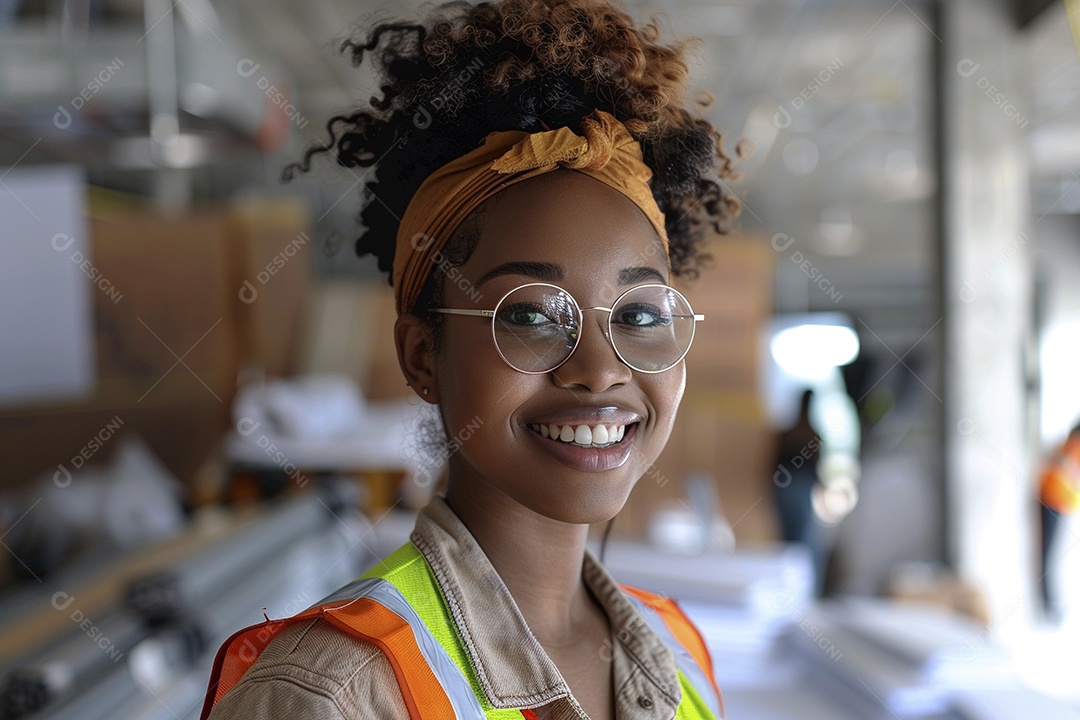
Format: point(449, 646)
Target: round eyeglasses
point(537, 326)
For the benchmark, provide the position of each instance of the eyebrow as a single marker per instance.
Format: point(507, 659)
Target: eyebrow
point(550, 272)
point(629, 276)
point(547, 272)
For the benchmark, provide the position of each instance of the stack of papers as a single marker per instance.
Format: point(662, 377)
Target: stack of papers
point(914, 660)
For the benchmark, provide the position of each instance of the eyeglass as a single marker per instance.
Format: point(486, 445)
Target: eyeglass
point(537, 327)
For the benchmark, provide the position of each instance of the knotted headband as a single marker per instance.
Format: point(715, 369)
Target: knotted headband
point(606, 152)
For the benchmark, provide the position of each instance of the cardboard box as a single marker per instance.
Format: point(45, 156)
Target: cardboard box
point(271, 244)
point(350, 330)
point(735, 294)
point(175, 316)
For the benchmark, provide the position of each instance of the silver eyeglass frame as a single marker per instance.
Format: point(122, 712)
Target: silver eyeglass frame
point(581, 318)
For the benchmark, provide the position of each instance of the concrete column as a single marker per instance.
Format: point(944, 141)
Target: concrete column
point(988, 295)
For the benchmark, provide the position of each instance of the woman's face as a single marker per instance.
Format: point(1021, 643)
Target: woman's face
point(573, 231)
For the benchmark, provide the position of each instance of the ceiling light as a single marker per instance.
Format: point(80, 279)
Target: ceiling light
point(812, 349)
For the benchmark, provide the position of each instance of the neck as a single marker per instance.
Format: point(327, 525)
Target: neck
point(539, 559)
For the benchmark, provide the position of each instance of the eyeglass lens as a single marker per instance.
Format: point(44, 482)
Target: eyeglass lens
point(537, 326)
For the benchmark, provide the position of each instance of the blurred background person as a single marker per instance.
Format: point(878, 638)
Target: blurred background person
point(1059, 494)
point(798, 452)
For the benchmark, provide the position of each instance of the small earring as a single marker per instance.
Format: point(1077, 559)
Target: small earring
point(425, 391)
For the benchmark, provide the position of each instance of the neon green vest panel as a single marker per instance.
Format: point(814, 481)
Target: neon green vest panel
point(408, 571)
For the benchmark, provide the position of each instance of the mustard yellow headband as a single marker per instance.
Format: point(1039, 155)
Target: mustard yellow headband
point(606, 152)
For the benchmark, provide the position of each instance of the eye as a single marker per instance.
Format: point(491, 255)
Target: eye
point(641, 315)
point(523, 314)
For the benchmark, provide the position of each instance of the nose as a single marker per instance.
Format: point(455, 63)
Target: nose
point(594, 365)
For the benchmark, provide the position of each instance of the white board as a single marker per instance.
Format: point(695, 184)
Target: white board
point(47, 281)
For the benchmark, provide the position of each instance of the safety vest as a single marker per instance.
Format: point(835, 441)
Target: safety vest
point(399, 608)
point(1059, 487)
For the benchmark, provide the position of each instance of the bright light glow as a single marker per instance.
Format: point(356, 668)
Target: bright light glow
point(1060, 382)
point(811, 351)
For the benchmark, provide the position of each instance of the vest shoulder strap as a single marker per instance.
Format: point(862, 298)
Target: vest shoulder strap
point(381, 608)
point(408, 570)
point(692, 658)
point(373, 610)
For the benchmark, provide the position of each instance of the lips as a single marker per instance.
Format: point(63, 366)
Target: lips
point(587, 439)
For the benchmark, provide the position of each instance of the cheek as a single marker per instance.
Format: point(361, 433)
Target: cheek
point(476, 388)
point(665, 392)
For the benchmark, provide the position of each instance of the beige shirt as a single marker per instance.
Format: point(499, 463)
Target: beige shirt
point(314, 671)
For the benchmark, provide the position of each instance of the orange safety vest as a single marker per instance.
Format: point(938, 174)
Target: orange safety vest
point(435, 677)
point(1059, 486)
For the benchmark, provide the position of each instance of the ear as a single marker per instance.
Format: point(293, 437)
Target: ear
point(413, 339)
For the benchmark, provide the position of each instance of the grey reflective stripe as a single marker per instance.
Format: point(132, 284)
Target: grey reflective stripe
point(683, 659)
point(454, 683)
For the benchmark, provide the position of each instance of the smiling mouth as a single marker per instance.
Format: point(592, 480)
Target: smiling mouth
point(584, 436)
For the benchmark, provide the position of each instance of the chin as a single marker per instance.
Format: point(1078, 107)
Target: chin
point(588, 506)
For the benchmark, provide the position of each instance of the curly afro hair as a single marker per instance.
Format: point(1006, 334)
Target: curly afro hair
point(530, 65)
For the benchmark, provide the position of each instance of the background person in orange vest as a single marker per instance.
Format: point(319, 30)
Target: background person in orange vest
point(539, 179)
point(1059, 494)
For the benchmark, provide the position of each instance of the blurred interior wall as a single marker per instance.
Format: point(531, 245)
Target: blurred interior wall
point(988, 289)
point(1057, 246)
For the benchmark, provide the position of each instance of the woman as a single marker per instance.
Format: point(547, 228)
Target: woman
point(538, 180)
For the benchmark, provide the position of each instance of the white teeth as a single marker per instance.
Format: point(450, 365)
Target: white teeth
point(595, 436)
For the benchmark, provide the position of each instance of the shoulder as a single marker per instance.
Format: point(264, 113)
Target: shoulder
point(314, 670)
